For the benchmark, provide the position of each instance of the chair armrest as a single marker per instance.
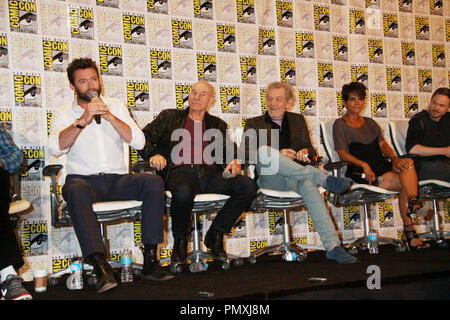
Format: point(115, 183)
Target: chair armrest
point(142, 166)
point(51, 170)
point(330, 166)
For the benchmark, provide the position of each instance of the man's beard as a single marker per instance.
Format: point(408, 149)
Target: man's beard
point(84, 96)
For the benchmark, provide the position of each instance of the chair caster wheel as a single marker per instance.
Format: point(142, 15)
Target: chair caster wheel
point(92, 280)
point(401, 249)
point(175, 268)
point(137, 273)
point(353, 251)
point(301, 257)
point(442, 244)
point(238, 262)
point(252, 259)
point(198, 266)
point(225, 265)
point(53, 282)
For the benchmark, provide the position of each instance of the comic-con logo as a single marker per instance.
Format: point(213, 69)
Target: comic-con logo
point(376, 50)
point(59, 264)
point(339, 103)
point(438, 55)
point(386, 214)
point(226, 38)
point(182, 34)
point(411, 105)
point(137, 225)
point(248, 69)
point(203, 9)
point(266, 41)
point(33, 160)
point(322, 18)
point(284, 13)
point(206, 67)
point(133, 28)
point(158, 6)
point(81, 23)
point(408, 53)
point(258, 244)
point(447, 29)
point(56, 55)
point(378, 106)
point(425, 80)
point(287, 71)
point(394, 78)
point(27, 90)
point(138, 98)
point(437, 7)
point(34, 238)
point(307, 101)
point(405, 5)
point(276, 222)
point(161, 64)
point(49, 115)
point(422, 28)
point(390, 25)
point(110, 60)
point(23, 16)
point(352, 217)
point(230, 101)
point(262, 96)
point(182, 94)
point(4, 61)
point(340, 48)
point(360, 73)
point(357, 21)
point(325, 74)
point(6, 120)
point(245, 11)
point(304, 44)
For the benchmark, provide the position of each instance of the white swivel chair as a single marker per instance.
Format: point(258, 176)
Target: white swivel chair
point(358, 195)
point(431, 189)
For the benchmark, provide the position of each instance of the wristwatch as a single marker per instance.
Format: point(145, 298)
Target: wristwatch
point(78, 125)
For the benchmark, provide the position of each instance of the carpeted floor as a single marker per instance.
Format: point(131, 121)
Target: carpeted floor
point(404, 276)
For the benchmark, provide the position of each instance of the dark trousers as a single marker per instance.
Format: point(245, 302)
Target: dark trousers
point(185, 182)
point(9, 248)
point(80, 192)
point(434, 169)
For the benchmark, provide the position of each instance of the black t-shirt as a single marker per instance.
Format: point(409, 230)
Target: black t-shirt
point(424, 131)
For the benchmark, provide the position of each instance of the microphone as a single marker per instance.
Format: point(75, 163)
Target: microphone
point(93, 94)
point(315, 161)
point(226, 174)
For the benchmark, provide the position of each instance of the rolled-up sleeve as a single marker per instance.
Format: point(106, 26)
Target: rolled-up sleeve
point(59, 122)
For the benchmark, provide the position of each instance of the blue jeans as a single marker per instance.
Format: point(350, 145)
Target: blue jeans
point(278, 172)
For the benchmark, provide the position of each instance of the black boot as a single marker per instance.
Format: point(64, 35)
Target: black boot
point(179, 250)
point(152, 270)
point(214, 242)
point(103, 272)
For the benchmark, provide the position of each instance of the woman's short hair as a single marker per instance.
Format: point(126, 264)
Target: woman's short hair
point(353, 87)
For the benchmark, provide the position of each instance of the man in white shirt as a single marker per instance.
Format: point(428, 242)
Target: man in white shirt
point(96, 170)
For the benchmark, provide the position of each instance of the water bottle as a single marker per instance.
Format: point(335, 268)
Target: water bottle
point(290, 256)
point(373, 242)
point(75, 280)
point(127, 267)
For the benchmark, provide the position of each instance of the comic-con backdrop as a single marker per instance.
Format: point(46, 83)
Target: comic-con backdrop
point(151, 52)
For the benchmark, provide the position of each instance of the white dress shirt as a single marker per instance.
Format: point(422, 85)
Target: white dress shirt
point(98, 148)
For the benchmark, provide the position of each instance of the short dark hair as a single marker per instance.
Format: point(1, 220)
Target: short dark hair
point(443, 90)
point(80, 63)
point(353, 87)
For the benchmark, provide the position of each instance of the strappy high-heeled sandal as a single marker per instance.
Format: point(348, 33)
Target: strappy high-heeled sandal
point(410, 235)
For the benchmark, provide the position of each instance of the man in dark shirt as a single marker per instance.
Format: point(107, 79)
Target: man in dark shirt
point(190, 149)
point(429, 136)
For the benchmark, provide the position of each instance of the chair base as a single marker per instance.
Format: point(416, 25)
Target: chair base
point(198, 261)
point(287, 249)
point(363, 243)
point(437, 236)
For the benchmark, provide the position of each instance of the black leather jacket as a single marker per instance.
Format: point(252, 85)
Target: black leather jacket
point(158, 137)
point(299, 137)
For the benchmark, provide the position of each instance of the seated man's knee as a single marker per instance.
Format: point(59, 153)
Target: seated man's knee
point(183, 193)
point(245, 185)
point(151, 182)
